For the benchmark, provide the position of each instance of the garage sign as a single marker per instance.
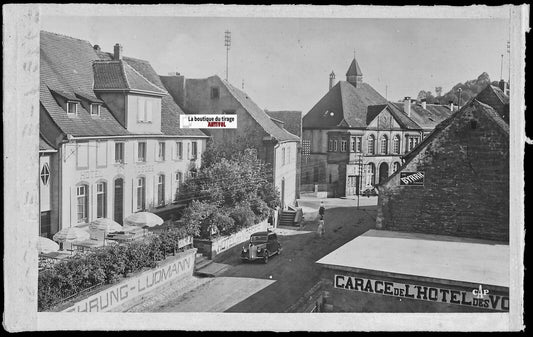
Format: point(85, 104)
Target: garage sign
point(412, 178)
point(475, 298)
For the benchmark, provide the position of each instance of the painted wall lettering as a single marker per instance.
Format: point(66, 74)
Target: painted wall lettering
point(412, 178)
point(136, 286)
point(424, 293)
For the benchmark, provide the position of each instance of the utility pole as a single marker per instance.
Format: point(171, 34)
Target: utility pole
point(227, 44)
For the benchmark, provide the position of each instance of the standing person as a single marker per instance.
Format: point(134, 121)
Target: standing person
point(322, 209)
point(320, 229)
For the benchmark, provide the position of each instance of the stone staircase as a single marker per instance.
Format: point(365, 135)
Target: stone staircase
point(205, 267)
point(287, 218)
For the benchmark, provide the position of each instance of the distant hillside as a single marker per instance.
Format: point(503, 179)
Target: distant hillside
point(469, 89)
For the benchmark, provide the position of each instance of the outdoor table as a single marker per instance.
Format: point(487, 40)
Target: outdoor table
point(59, 255)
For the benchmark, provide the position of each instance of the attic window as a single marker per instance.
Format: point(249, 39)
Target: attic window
point(95, 109)
point(72, 108)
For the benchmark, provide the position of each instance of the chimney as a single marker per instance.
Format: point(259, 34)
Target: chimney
point(451, 106)
point(502, 85)
point(117, 52)
point(423, 103)
point(331, 80)
point(96, 47)
point(407, 106)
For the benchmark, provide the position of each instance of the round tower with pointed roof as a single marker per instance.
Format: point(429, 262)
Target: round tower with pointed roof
point(354, 75)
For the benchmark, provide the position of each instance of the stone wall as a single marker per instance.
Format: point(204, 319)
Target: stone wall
point(212, 248)
point(466, 187)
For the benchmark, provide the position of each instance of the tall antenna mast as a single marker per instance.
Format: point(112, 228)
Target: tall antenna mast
point(509, 58)
point(227, 44)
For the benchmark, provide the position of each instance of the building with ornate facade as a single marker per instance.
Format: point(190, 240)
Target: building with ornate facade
point(356, 138)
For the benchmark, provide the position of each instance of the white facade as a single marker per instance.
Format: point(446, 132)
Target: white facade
point(116, 177)
point(285, 155)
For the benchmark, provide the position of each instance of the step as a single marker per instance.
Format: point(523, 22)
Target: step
point(211, 270)
point(202, 264)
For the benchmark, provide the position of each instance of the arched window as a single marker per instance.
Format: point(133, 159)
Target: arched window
point(161, 189)
point(396, 144)
point(384, 144)
point(82, 201)
point(396, 167)
point(141, 193)
point(371, 144)
point(178, 179)
point(101, 200)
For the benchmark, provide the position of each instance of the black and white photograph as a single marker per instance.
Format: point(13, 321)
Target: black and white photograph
point(272, 168)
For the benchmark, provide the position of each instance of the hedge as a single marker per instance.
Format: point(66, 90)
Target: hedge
point(105, 265)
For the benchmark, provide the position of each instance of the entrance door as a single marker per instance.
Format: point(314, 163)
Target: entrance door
point(383, 171)
point(352, 185)
point(119, 200)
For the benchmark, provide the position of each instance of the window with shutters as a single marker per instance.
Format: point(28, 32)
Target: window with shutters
point(101, 200)
point(82, 200)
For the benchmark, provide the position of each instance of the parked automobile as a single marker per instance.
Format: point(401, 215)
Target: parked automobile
point(370, 192)
point(261, 246)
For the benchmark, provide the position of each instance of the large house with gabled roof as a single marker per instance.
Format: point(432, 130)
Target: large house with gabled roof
point(120, 148)
point(355, 138)
point(274, 144)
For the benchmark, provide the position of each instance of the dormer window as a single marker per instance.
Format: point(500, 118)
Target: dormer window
point(144, 110)
point(95, 109)
point(72, 108)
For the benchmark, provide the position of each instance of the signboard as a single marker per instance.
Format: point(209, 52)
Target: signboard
point(136, 286)
point(412, 178)
point(478, 298)
point(208, 121)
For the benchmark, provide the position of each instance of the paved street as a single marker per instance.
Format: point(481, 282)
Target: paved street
point(256, 287)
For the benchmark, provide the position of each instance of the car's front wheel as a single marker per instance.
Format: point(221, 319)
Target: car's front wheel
point(265, 259)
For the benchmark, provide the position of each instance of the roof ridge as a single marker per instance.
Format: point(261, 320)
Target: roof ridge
point(65, 36)
point(123, 69)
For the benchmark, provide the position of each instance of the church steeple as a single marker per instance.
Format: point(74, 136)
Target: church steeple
point(354, 75)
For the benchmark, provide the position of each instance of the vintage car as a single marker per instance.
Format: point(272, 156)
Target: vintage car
point(261, 246)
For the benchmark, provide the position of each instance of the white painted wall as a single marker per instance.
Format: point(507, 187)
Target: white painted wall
point(107, 170)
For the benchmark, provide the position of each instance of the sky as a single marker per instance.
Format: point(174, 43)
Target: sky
point(284, 63)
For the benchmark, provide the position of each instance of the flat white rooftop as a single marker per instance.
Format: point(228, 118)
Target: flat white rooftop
point(425, 255)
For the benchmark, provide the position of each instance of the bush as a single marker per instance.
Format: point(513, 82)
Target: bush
point(243, 216)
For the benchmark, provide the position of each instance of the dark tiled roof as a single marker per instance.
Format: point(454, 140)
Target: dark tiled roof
point(65, 95)
point(90, 98)
point(120, 75)
point(343, 101)
point(292, 120)
point(66, 66)
point(259, 115)
point(354, 69)
point(429, 117)
point(497, 99)
point(44, 145)
point(401, 117)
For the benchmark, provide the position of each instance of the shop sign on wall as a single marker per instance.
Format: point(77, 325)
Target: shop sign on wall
point(474, 298)
point(412, 178)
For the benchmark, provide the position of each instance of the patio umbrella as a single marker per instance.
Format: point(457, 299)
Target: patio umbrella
point(143, 219)
point(105, 224)
point(70, 234)
point(45, 245)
